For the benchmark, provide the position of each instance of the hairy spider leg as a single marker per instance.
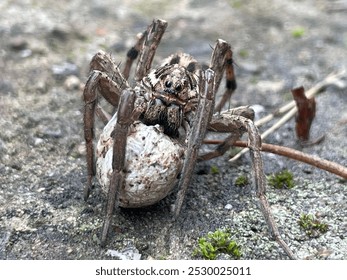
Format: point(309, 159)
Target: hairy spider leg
point(254, 144)
point(224, 122)
point(234, 122)
point(133, 53)
point(196, 134)
point(145, 47)
point(105, 79)
point(125, 117)
point(222, 61)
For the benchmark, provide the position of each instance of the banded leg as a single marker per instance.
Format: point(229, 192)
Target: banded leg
point(125, 117)
point(254, 144)
point(152, 35)
point(133, 53)
point(107, 75)
point(146, 46)
point(224, 122)
point(196, 135)
point(222, 60)
point(105, 79)
point(90, 100)
point(236, 124)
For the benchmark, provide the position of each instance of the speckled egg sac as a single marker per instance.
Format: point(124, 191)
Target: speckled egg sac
point(153, 163)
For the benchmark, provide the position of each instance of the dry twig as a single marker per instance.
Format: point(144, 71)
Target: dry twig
point(291, 109)
point(327, 165)
point(315, 161)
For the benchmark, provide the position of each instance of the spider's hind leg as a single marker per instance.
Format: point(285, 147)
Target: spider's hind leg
point(224, 122)
point(222, 60)
point(146, 45)
point(236, 124)
point(196, 135)
point(254, 144)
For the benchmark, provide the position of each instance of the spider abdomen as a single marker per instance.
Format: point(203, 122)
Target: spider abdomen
point(153, 163)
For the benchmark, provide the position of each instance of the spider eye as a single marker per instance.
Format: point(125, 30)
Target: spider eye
point(178, 88)
point(168, 84)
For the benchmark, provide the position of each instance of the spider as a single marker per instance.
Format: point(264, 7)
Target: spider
point(152, 142)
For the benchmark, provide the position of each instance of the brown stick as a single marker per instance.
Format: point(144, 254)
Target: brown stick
point(290, 108)
point(327, 165)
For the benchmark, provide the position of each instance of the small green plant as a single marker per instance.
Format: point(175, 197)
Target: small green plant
point(216, 243)
point(241, 181)
point(233, 151)
point(281, 180)
point(298, 32)
point(236, 4)
point(243, 53)
point(312, 226)
point(214, 170)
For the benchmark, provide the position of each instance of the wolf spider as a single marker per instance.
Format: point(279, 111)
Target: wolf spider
point(177, 100)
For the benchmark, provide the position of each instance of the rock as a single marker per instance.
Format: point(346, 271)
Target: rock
point(126, 254)
point(18, 44)
point(65, 69)
point(250, 68)
point(228, 207)
point(72, 82)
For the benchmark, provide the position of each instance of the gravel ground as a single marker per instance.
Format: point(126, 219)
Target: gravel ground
point(45, 49)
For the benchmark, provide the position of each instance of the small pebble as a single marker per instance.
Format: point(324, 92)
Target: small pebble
point(18, 44)
point(38, 141)
point(64, 69)
point(72, 82)
point(228, 206)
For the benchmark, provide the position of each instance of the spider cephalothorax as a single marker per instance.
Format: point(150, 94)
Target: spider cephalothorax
point(174, 95)
point(139, 158)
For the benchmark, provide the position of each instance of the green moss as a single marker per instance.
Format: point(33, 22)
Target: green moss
point(241, 181)
point(281, 180)
point(312, 226)
point(243, 53)
point(254, 80)
point(216, 243)
point(214, 169)
point(152, 7)
point(298, 32)
point(236, 4)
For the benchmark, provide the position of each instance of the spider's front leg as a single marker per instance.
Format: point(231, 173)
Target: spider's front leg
point(196, 134)
point(105, 79)
point(146, 46)
point(222, 61)
point(125, 117)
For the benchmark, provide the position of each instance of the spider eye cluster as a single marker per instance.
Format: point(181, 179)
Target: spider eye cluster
point(178, 88)
point(168, 84)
